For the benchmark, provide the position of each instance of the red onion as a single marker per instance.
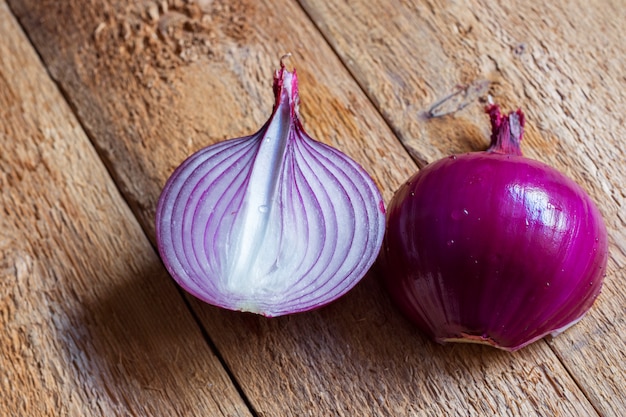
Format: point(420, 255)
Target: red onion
point(491, 247)
point(273, 223)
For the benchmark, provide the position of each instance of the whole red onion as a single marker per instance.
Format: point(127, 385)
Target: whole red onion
point(491, 247)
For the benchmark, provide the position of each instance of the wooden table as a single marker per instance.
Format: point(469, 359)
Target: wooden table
point(99, 102)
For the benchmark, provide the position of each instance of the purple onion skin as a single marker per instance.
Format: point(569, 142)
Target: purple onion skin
point(491, 247)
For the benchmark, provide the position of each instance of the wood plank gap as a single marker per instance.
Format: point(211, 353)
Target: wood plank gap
point(420, 162)
point(73, 253)
point(209, 341)
point(108, 164)
point(580, 386)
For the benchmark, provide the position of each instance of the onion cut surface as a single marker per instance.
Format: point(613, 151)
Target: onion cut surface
point(273, 223)
point(491, 247)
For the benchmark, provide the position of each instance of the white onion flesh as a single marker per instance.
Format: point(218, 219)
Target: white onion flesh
point(273, 223)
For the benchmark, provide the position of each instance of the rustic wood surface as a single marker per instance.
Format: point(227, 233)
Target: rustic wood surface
point(90, 322)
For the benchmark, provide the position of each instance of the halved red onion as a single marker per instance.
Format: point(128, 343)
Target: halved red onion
point(273, 223)
point(494, 248)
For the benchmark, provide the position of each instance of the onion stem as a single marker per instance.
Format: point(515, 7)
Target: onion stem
point(506, 131)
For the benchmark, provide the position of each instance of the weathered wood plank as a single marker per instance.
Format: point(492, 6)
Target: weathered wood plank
point(90, 323)
point(563, 62)
point(153, 82)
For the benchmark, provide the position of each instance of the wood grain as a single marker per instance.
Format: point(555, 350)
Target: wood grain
point(563, 62)
point(152, 82)
point(90, 324)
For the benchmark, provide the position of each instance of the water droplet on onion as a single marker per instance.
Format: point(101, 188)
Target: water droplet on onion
point(458, 214)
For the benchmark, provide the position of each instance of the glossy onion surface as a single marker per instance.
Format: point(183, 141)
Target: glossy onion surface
point(273, 223)
point(491, 247)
